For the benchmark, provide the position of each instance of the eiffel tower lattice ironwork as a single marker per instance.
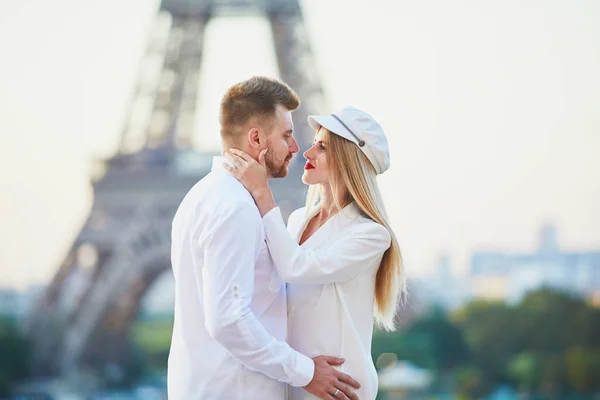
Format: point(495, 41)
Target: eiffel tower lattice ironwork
point(84, 316)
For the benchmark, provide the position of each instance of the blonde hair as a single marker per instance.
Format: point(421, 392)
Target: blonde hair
point(349, 165)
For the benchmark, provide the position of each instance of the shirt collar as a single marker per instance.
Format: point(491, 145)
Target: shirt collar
point(217, 164)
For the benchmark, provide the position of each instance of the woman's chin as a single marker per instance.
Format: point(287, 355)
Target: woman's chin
point(311, 177)
point(306, 179)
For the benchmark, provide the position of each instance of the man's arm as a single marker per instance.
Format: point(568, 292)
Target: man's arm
point(228, 288)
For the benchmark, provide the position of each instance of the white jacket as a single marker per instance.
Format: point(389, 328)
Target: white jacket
point(230, 305)
point(331, 287)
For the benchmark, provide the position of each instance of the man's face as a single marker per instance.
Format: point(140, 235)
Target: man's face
point(280, 143)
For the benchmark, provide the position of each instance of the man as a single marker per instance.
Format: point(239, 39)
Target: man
point(230, 305)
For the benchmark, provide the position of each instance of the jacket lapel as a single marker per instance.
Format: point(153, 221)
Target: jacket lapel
point(330, 228)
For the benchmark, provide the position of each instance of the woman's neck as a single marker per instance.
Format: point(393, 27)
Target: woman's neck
point(328, 205)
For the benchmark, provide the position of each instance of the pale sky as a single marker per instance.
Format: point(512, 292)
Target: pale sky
point(491, 108)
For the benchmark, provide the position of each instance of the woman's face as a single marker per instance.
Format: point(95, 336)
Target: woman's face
point(316, 169)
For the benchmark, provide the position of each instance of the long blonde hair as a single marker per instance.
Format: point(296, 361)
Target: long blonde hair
point(348, 164)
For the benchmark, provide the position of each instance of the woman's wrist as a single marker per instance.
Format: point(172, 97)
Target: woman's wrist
point(261, 194)
point(264, 200)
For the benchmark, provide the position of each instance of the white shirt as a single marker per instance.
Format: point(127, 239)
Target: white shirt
point(331, 289)
point(230, 304)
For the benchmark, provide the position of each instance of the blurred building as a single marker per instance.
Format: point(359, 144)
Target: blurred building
point(404, 380)
point(509, 276)
point(10, 302)
point(442, 288)
point(15, 303)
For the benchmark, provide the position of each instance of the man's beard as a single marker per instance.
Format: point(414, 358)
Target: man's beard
point(275, 168)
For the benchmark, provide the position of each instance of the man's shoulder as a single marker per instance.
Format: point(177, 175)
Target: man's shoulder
point(221, 192)
point(216, 203)
point(223, 188)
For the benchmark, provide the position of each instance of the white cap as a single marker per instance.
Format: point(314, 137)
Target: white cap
point(358, 127)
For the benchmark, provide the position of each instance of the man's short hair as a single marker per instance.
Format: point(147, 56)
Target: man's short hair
point(254, 97)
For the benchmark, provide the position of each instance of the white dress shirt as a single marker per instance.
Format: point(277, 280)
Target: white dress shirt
point(230, 304)
point(331, 287)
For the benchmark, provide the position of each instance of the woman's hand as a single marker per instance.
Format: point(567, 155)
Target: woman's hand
point(253, 175)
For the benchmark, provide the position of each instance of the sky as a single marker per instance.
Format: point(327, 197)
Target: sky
point(491, 109)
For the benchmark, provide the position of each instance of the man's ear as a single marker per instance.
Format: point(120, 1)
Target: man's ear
point(254, 137)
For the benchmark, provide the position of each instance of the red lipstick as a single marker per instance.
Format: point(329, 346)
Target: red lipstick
point(308, 166)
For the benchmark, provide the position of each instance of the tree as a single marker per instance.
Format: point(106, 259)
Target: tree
point(432, 342)
point(583, 368)
point(16, 351)
point(469, 383)
point(492, 332)
point(447, 343)
point(547, 344)
point(524, 368)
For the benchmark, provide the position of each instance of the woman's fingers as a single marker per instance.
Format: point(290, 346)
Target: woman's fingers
point(241, 154)
point(237, 161)
point(261, 157)
point(230, 169)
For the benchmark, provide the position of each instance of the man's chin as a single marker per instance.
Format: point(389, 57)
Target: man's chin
point(280, 173)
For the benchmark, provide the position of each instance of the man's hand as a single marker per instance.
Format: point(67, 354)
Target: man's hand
point(329, 383)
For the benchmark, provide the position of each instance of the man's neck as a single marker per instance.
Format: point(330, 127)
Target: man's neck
point(250, 151)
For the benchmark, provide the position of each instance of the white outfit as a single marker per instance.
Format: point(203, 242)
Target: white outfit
point(230, 304)
point(331, 287)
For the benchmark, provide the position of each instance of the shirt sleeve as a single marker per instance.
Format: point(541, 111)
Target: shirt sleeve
point(349, 255)
point(228, 288)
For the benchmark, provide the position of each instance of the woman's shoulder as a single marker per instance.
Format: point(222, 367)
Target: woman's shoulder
point(297, 215)
point(369, 228)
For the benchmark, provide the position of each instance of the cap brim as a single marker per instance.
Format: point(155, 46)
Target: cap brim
point(331, 124)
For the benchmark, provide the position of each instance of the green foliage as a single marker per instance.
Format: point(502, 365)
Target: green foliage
point(469, 382)
point(432, 342)
point(538, 344)
point(583, 368)
point(16, 351)
point(152, 338)
point(525, 369)
point(548, 345)
point(445, 341)
point(410, 347)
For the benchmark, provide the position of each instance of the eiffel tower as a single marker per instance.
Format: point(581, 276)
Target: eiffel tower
point(84, 317)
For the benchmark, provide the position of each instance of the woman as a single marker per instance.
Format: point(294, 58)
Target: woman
point(340, 257)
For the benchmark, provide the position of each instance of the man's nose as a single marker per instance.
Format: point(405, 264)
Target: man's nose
point(294, 146)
